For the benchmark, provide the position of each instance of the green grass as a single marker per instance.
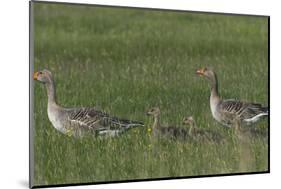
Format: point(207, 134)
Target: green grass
point(124, 61)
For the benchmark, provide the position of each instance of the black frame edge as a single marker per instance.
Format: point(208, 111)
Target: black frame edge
point(268, 85)
point(148, 8)
point(148, 180)
point(31, 58)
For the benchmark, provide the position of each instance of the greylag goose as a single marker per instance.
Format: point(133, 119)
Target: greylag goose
point(231, 112)
point(167, 131)
point(201, 134)
point(79, 121)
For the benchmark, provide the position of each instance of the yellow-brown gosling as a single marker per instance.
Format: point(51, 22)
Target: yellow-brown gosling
point(199, 134)
point(166, 131)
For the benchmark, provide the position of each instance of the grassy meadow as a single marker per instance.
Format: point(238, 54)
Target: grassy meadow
point(124, 61)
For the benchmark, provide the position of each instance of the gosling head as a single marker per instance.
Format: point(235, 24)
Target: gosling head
point(44, 76)
point(188, 120)
point(153, 112)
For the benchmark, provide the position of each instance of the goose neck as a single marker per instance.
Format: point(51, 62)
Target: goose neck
point(51, 92)
point(156, 123)
point(191, 128)
point(214, 87)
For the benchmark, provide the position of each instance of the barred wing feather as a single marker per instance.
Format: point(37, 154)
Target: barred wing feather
point(244, 111)
point(92, 119)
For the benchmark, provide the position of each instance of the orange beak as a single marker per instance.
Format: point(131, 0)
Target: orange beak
point(35, 75)
point(200, 71)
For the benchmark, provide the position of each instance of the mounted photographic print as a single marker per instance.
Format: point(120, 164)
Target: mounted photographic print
point(121, 94)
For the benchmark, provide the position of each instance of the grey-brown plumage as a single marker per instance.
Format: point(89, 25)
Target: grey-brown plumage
point(80, 121)
point(231, 112)
point(246, 112)
point(199, 134)
point(166, 131)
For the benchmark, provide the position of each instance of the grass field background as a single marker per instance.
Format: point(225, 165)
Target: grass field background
point(125, 61)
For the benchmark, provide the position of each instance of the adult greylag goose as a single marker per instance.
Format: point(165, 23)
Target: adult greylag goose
point(199, 134)
point(231, 112)
point(167, 131)
point(80, 121)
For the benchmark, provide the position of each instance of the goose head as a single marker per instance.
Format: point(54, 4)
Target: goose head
point(188, 120)
point(153, 112)
point(211, 76)
point(44, 76)
point(207, 73)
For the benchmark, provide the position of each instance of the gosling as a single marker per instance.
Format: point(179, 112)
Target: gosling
point(201, 134)
point(167, 131)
